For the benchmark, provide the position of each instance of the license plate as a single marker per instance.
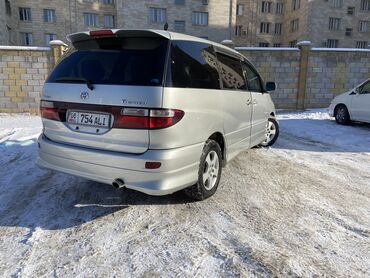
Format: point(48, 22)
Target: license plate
point(88, 119)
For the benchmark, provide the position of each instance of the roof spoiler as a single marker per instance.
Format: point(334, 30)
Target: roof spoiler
point(89, 35)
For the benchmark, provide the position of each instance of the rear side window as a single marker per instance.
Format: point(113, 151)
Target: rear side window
point(192, 65)
point(231, 72)
point(253, 79)
point(115, 61)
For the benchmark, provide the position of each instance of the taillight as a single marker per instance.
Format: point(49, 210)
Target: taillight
point(48, 111)
point(137, 118)
point(162, 118)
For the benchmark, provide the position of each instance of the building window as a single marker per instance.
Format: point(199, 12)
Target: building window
point(296, 4)
point(294, 25)
point(205, 2)
point(158, 15)
point(26, 38)
point(91, 19)
point(238, 30)
point(351, 10)
point(266, 7)
point(349, 32)
point(278, 28)
point(334, 24)
point(279, 8)
point(8, 8)
point(277, 45)
point(200, 18)
point(365, 5)
point(265, 27)
point(332, 43)
point(25, 14)
point(363, 26)
point(180, 26)
point(108, 2)
point(49, 16)
point(240, 9)
point(361, 44)
point(109, 21)
point(49, 38)
point(293, 43)
point(263, 44)
point(180, 2)
point(336, 3)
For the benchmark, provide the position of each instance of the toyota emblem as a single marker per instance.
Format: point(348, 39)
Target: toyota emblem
point(84, 95)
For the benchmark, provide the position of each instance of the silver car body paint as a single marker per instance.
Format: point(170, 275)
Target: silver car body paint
point(239, 116)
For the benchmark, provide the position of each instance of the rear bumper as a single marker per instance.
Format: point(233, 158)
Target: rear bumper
point(331, 109)
point(179, 167)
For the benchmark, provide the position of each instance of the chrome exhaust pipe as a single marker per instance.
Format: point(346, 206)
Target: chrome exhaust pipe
point(118, 183)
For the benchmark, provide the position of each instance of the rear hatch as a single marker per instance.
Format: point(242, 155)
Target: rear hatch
point(99, 94)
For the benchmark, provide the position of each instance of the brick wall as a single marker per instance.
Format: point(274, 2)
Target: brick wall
point(22, 74)
point(330, 72)
point(281, 66)
point(306, 78)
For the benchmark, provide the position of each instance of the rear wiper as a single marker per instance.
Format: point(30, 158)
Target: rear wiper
point(76, 80)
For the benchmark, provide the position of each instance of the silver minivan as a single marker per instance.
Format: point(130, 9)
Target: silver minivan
point(154, 111)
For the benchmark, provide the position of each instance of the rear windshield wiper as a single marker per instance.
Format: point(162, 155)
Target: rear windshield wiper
point(76, 80)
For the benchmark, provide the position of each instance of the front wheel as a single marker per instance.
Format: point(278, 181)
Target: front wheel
point(209, 172)
point(272, 133)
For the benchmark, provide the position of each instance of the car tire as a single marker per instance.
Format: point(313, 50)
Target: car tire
point(341, 115)
point(272, 133)
point(209, 173)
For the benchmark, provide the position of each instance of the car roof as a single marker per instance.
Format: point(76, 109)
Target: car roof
point(80, 36)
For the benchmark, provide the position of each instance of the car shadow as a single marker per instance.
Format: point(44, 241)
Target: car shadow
point(323, 135)
point(32, 197)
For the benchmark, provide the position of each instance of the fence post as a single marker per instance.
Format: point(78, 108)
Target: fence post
point(305, 48)
point(228, 43)
point(58, 48)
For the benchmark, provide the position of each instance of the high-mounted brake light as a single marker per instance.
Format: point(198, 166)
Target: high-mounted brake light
point(101, 33)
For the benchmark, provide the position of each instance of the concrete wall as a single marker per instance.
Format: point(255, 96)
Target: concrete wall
point(23, 71)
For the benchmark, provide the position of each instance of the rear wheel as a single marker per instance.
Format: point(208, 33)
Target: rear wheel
point(209, 172)
point(341, 115)
point(272, 133)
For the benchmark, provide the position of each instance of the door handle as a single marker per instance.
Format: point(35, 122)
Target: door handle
point(248, 101)
point(255, 101)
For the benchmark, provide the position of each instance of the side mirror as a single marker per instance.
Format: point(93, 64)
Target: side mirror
point(270, 86)
point(357, 90)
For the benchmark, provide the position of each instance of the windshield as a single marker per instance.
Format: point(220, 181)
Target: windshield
point(114, 61)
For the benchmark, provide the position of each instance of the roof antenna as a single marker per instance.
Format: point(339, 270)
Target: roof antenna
point(165, 27)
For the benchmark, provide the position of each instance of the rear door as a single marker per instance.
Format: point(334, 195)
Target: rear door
point(237, 103)
point(360, 106)
point(98, 82)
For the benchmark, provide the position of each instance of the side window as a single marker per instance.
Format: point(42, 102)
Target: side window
point(365, 89)
point(253, 79)
point(192, 65)
point(231, 72)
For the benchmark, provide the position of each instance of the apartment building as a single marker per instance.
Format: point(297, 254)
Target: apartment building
point(265, 23)
point(39, 21)
point(326, 23)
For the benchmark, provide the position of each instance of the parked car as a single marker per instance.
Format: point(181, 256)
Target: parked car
point(353, 105)
point(153, 111)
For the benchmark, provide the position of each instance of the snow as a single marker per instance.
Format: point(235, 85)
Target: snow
point(299, 208)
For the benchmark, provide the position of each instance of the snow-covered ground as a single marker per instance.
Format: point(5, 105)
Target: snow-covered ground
point(301, 208)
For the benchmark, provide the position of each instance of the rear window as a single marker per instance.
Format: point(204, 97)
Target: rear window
point(114, 61)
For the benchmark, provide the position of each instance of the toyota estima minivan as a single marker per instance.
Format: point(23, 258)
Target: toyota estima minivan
point(153, 111)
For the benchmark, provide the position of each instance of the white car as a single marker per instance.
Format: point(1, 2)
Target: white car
point(353, 105)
